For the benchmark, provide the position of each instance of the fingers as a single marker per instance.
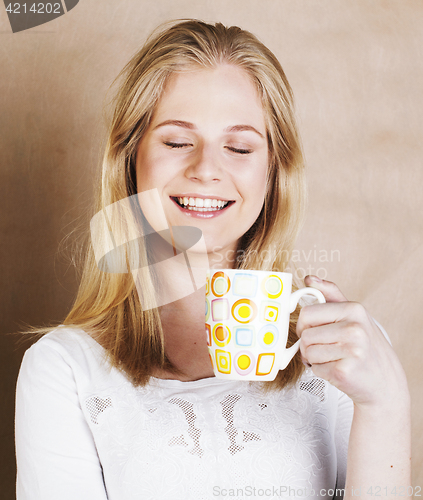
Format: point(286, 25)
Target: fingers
point(322, 353)
point(335, 362)
point(331, 292)
point(332, 342)
point(324, 314)
point(332, 333)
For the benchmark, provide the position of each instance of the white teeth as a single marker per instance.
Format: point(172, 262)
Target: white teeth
point(202, 204)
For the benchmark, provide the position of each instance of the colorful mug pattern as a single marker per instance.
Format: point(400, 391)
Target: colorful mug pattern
point(247, 320)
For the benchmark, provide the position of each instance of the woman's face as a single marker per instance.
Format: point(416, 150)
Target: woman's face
point(206, 145)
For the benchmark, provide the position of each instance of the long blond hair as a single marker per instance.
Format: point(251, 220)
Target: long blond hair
point(107, 305)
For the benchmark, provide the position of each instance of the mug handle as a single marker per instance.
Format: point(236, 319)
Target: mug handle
point(293, 301)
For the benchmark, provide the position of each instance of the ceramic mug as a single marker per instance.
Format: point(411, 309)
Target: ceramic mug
point(247, 321)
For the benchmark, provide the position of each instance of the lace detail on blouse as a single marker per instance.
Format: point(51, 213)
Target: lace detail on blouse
point(158, 442)
point(97, 405)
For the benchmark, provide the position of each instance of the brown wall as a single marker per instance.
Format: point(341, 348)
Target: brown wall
point(357, 72)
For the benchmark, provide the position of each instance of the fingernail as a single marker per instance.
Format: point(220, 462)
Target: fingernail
point(315, 279)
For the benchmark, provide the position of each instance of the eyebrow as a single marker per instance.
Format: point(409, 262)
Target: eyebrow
point(191, 126)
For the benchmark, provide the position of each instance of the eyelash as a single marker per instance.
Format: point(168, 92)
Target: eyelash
point(175, 145)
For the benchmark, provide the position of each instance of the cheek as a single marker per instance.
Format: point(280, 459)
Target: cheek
point(151, 171)
point(149, 188)
point(254, 186)
point(258, 205)
point(152, 209)
point(258, 192)
point(145, 179)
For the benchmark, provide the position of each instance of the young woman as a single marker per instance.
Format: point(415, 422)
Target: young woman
point(120, 401)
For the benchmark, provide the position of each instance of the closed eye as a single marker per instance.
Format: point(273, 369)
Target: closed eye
point(240, 151)
point(176, 144)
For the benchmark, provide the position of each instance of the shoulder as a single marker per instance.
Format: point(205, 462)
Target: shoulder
point(68, 342)
point(65, 353)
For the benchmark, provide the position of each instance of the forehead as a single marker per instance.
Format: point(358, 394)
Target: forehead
point(223, 95)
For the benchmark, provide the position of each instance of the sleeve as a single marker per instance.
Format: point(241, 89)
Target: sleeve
point(55, 450)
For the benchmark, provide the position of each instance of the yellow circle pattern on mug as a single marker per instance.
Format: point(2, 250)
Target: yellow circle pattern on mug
point(272, 286)
point(220, 284)
point(221, 334)
point(244, 362)
point(244, 310)
point(268, 337)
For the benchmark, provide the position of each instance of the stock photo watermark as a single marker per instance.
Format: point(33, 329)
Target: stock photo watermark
point(302, 262)
point(26, 15)
point(290, 492)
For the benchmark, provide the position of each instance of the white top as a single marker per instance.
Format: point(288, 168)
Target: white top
point(83, 432)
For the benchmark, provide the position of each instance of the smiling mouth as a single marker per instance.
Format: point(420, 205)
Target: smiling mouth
point(201, 205)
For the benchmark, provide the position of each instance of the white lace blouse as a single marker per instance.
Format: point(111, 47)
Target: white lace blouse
point(83, 432)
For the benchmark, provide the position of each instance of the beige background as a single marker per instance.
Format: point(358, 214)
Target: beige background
point(357, 72)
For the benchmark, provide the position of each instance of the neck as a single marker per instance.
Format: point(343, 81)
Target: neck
point(181, 307)
point(185, 339)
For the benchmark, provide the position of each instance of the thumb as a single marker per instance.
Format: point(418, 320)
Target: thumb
point(331, 292)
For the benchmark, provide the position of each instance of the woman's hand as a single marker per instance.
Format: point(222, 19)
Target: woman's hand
point(344, 346)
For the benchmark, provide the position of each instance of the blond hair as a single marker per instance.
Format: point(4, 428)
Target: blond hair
point(107, 305)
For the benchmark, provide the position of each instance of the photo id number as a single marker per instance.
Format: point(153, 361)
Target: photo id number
point(40, 8)
point(401, 491)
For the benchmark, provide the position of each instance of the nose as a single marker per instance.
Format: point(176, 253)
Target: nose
point(204, 166)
